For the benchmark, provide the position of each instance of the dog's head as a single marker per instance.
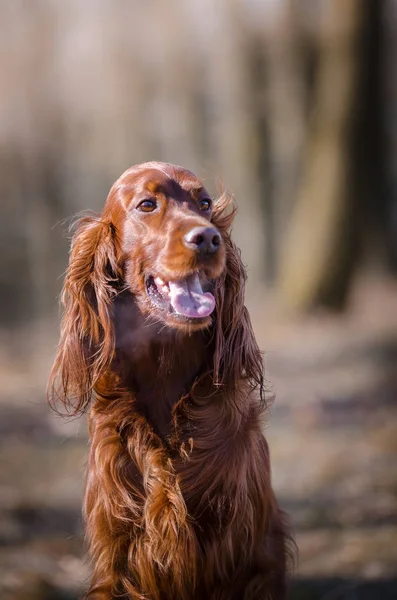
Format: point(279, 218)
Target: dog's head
point(169, 251)
point(165, 242)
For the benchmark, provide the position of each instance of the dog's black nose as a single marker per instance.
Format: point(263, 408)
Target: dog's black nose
point(205, 240)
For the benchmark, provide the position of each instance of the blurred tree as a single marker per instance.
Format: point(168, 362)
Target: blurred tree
point(284, 119)
point(317, 256)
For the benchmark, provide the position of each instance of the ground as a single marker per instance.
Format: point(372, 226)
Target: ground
point(331, 430)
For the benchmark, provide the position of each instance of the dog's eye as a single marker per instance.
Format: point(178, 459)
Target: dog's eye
point(147, 205)
point(205, 204)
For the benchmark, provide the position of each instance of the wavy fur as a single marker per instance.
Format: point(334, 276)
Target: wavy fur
point(178, 504)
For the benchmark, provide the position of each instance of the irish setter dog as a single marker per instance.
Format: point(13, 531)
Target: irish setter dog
point(156, 340)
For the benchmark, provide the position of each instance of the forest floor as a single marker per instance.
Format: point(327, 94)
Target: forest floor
point(332, 434)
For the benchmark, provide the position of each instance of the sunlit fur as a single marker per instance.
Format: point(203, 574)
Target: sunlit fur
point(178, 503)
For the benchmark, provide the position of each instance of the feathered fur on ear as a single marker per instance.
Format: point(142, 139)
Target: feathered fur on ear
point(237, 354)
point(86, 344)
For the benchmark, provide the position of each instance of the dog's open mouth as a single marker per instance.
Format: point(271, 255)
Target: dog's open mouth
point(184, 297)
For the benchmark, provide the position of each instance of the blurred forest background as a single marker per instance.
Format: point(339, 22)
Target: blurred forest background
point(291, 105)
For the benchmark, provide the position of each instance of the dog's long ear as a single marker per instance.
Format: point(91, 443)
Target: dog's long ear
point(86, 344)
point(237, 355)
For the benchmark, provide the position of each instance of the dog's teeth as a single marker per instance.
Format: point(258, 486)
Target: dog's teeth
point(162, 286)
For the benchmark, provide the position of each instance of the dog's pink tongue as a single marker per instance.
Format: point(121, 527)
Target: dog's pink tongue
point(188, 299)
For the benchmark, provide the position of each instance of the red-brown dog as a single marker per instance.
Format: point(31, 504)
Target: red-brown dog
point(157, 340)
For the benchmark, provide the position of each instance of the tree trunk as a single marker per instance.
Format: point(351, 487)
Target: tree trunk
point(317, 262)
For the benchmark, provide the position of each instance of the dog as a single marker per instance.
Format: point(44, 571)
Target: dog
point(157, 345)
